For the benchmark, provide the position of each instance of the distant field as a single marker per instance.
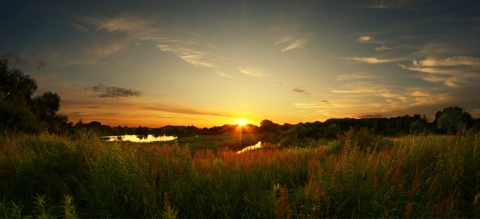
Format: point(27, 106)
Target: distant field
point(358, 175)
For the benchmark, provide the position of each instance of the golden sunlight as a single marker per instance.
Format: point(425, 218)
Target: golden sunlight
point(242, 122)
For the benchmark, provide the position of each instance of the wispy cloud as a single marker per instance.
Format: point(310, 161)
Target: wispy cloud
point(370, 89)
point(392, 95)
point(423, 96)
point(384, 48)
point(446, 46)
point(354, 76)
point(254, 72)
point(301, 90)
point(451, 84)
point(364, 39)
point(390, 4)
point(16, 57)
point(367, 39)
point(452, 72)
point(192, 56)
point(188, 46)
point(103, 91)
point(222, 73)
point(429, 70)
point(79, 53)
point(308, 105)
point(41, 64)
point(298, 43)
point(353, 91)
point(124, 23)
point(183, 110)
point(373, 60)
point(289, 34)
point(359, 88)
point(105, 49)
point(452, 61)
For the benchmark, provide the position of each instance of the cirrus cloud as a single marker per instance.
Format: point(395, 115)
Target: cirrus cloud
point(373, 60)
point(253, 72)
point(188, 46)
point(451, 61)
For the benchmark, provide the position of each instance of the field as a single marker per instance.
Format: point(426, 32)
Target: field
point(358, 175)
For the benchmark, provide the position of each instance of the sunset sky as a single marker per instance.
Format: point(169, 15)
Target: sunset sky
point(208, 63)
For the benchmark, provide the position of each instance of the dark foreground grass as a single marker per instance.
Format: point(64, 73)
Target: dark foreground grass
point(415, 176)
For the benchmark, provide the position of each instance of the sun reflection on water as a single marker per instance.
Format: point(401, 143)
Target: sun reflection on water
point(138, 138)
point(249, 148)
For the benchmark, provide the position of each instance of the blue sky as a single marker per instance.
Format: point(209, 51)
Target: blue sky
point(208, 63)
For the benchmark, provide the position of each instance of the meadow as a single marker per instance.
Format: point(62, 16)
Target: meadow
point(356, 175)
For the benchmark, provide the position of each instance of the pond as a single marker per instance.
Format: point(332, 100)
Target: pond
point(138, 138)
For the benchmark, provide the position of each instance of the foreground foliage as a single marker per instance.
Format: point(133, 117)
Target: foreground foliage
point(414, 176)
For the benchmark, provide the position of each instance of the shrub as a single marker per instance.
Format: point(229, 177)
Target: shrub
point(363, 139)
point(19, 118)
point(334, 146)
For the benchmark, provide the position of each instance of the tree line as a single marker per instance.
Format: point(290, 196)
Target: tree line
point(21, 111)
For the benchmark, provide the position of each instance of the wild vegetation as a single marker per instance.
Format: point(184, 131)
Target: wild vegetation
point(412, 176)
point(373, 167)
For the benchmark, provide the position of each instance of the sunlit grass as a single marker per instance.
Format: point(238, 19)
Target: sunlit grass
point(412, 176)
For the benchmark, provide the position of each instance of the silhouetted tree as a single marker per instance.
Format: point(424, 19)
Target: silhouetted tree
point(18, 118)
point(418, 127)
point(46, 106)
point(269, 131)
point(16, 90)
point(14, 85)
point(452, 120)
point(267, 126)
point(332, 131)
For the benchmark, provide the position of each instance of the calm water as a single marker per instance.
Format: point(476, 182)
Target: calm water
point(249, 148)
point(138, 138)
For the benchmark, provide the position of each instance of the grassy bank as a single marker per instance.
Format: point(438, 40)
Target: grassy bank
point(413, 176)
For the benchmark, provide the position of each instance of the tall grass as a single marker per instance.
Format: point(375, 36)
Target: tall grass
point(413, 176)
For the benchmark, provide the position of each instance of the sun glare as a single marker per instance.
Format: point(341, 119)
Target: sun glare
point(242, 122)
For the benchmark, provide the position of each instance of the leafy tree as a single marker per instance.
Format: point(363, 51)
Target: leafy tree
point(300, 130)
point(18, 111)
point(452, 120)
point(332, 131)
point(297, 131)
point(267, 126)
point(59, 124)
point(14, 85)
point(418, 127)
point(46, 106)
point(269, 130)
point(15, 118)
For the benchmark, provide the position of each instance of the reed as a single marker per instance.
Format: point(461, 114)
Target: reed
point(413, 176)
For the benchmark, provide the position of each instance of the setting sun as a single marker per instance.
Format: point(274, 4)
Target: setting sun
point(242, 122)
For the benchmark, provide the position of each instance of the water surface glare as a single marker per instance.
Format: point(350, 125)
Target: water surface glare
point(138, 138)
point(249, 148)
